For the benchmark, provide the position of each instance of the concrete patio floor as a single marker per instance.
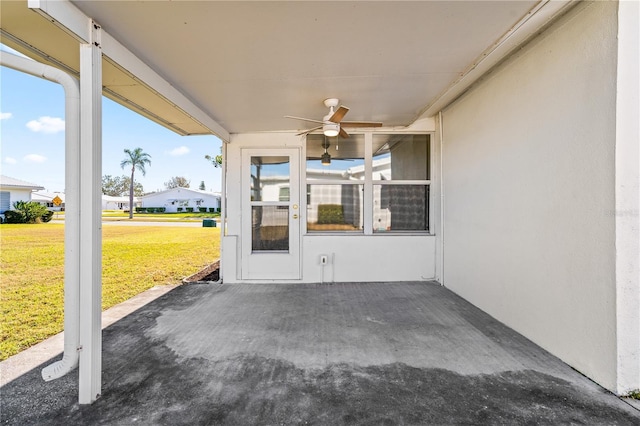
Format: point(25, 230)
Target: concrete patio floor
point(324, 354)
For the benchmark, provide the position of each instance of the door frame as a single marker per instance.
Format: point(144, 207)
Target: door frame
point(270, 265)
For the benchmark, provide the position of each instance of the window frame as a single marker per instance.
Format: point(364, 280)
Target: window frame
point(369, 182)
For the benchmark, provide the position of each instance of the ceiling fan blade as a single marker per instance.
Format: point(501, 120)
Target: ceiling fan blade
point(343, 133)
point(306, 132)
point(361, 124)
point(339, 114)
point(304, 119)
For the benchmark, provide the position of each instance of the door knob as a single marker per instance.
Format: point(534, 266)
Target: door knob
point(295, 216)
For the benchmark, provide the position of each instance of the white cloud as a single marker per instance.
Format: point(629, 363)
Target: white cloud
point(10, 160)
point(181, 150)
point(46, 124)
point(5, 115)
point(35, 158)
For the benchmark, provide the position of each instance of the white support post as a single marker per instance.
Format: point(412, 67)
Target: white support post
point(90, 371)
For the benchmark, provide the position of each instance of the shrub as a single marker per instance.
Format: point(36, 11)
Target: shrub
point(330, 213)
point(28, 212)
point(179, 209)
point(12, 216)
point(202, 209)
point(151, 209)
point(212, 209)
point(218, 209)
point(161, 209)
point(190, 209)
point(141, 209)
point(47, 216)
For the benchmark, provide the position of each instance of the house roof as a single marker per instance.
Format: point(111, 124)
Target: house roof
point(47, 196)
point(9, 182)
point(237, 67)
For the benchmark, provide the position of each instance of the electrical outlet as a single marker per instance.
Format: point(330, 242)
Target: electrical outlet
point(324, 259)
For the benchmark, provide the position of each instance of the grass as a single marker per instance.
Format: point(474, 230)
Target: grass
point(117, 215)
point(134, 259)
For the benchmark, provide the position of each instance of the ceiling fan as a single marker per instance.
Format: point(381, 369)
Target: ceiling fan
point(332, 124)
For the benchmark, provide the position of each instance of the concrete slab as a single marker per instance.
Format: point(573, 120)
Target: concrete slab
point(370, 353)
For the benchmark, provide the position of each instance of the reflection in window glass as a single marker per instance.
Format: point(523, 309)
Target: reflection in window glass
point(268, 176)
point(400, 208)
point(400, 157)
point(334, 207)
point(343, 158)
point(270, 228)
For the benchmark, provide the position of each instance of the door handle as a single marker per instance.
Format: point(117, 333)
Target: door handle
point(295, 216)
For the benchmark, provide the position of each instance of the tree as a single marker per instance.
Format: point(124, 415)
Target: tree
point(216, 160)
point(202, 187)
point(177, 182)
point(119, 185)
point(137, 159)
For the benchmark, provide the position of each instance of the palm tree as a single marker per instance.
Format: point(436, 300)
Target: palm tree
point(137, 160)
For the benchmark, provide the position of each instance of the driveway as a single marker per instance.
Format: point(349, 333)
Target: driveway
point(323, 354)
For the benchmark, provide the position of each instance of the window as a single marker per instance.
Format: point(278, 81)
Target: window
point(400, 173)
point(5, 201)
point(335, 184)
point(270, 194)
point(393, 169)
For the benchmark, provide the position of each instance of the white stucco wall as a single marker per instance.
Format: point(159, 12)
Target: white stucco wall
point(354, 257)
point(529, 173)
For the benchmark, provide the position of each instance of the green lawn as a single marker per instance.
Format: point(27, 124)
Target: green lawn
point(118, 215)
point(134, 259)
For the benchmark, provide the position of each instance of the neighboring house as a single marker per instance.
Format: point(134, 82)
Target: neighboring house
point(53, 201)
point(12, 190)
point(512, 128)
point(172, 199)
point(109, 202)
point(118, 203)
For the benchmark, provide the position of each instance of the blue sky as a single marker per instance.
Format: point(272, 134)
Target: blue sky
point(32, 139)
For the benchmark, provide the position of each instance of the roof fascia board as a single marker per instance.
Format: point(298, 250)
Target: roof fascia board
point(68, 17)
point(533, 22)
point(64, 15)
point(123, 57)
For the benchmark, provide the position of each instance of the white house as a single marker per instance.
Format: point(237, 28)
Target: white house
point(181, 199)
point(53, 201)
point(12, 190)
point(511, 129)
point(110, 202)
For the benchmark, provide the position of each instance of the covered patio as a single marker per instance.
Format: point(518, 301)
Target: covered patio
point(343, 353)
point(511, 133)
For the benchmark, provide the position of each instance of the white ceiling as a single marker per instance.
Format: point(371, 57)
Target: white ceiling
point(248, 64)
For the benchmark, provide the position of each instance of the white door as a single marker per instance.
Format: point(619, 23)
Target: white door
point(270, 214)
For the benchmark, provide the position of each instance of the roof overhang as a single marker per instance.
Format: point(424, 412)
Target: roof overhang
point(239, 67)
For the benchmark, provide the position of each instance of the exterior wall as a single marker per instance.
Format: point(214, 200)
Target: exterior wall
point(185, 197)
point(17, 195)
point(528, 184)
point(627, 210)
point(351, 257)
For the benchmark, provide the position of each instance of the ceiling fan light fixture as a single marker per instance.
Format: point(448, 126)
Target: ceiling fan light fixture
point(331, 129)
point(325, 159)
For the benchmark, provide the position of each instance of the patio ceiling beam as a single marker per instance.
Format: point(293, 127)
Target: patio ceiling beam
point(69, 18)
